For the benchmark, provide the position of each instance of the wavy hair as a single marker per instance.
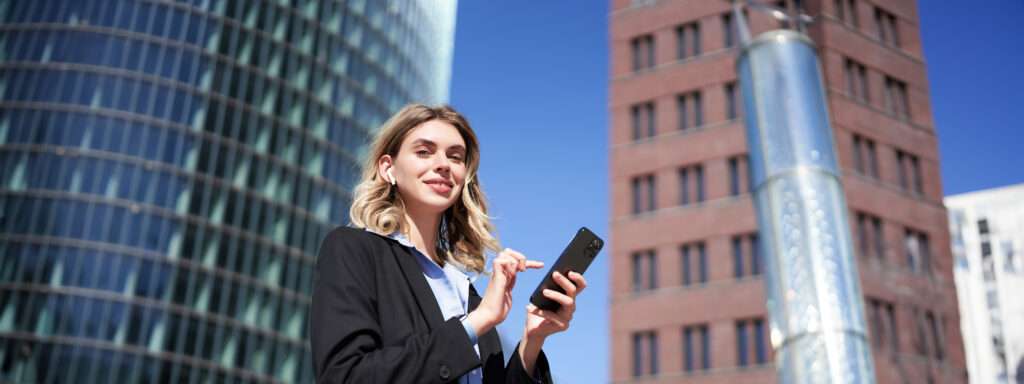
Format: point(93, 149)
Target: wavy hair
point(465, 231)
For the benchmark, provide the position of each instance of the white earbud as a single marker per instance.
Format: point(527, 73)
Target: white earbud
point(391, 176)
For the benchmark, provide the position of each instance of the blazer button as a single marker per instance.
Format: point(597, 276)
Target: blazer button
point(445, 372)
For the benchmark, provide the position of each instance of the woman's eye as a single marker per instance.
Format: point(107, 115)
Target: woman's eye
point(455, 157)
point(422, 152)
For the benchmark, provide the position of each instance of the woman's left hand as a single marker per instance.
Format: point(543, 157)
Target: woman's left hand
point(542, 323)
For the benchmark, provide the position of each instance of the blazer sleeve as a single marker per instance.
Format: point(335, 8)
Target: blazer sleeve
point(345, 335)
point(516, 373)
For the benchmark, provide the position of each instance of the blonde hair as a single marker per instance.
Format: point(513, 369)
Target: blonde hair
point(465, 231)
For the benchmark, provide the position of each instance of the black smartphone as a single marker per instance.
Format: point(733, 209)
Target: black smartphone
point(576, 257)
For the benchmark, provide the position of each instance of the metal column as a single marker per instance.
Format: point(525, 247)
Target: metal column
point(815, 304)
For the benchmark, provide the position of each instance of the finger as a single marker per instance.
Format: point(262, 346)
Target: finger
point(577, 278)
point(566, 285)
point(519, 257)
point(559, 297)
point(534, 264)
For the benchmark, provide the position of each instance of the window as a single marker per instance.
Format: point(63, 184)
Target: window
point(983, 227)
point(696, 348)
point(870, 238)
point(739, 174)
point(643, 194)
point(936, 332)
point(896, 99)
point(751, 338)
point(886, 27)
point(865, 157)
point(846, 12)
point(645, 353)
point(920, 336)
point(728, 31)
point(688, 40)
point(645, 271)
point(642, 120)
point(691, 110)
point(694, 258)
point(882, 324)
point(746, 255)
point(918, 251)
point(856, 76)
point(643, 52)
point(909, 170)
point(691, 184)
point(732, 105)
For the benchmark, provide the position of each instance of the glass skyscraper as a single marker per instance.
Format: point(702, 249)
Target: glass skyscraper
point(168, 169)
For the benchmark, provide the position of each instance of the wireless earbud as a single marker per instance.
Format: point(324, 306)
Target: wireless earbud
point(391, 176)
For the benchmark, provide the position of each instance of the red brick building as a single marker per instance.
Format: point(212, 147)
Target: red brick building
point(687, 295)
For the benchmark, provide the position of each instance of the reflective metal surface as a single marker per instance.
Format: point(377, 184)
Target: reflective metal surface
point(814, 298)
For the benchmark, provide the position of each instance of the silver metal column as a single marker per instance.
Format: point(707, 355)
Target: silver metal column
point(814, 303)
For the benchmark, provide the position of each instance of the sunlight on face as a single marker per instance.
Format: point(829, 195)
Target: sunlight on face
point(430, 167)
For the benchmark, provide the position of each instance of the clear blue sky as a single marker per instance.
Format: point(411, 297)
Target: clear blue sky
point(533, 79)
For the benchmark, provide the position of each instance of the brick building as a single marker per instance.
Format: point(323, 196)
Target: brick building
point(687, 295)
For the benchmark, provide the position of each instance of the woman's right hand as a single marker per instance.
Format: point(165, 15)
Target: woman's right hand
point(497, 299)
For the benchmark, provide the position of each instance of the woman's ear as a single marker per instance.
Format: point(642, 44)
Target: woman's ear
point(384, 172)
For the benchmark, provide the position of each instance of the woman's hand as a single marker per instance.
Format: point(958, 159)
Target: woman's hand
point(541, 323)
point(497, 299)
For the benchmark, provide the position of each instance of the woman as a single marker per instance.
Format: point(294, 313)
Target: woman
point(392, 297)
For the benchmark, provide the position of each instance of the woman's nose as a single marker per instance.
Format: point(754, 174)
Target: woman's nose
point(442, 163)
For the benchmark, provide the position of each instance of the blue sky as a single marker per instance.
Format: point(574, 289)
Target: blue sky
point(532, 79)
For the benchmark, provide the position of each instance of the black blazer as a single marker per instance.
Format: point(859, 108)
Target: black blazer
point(374, 319)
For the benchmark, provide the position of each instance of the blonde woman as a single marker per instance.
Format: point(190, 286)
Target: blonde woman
point(393, 300)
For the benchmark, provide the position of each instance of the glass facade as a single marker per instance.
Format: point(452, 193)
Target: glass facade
point(168, 169)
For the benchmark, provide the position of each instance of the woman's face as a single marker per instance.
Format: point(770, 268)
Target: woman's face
point(430, 167)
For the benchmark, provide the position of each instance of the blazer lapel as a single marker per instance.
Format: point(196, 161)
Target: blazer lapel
point(418, 284)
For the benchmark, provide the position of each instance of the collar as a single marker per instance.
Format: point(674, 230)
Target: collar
point(404, 241)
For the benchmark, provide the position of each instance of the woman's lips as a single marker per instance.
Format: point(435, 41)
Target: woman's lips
point(440, 188)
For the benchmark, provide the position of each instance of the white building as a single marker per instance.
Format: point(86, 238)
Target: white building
point(987, 232)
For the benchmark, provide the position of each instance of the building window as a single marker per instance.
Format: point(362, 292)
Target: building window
point(645, 353)
point(908, 168)
point(865, 157)
point(918, 251)
point(688, 40)
point(691, 184)
point(896, 99)
point(691, 110)
point(643, 194)
point(856, 80)
point(643, 120)
point(694, 260)
point(750, 338)
point(870, 238)
point(846, 12)
point(934, 324)
point(746, 255)
point(732, 105)
point(983, 227)
point(886, 26)
point(728, 31)
point(882, 324)
point(643, 52)
point(920, 335)
point(739, 175)
point(696, 348)
point(645, 271)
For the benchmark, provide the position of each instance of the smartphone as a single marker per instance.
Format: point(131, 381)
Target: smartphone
point(576, 257)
